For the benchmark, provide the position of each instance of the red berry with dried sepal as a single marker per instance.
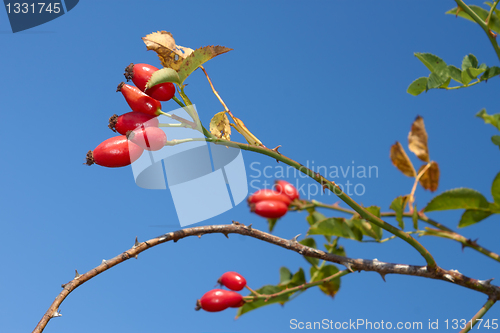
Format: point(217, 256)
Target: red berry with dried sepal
point(233, 281)
point(114, 152)
point(130, 121)
point(140, 75)
point(267, 194)
point(287, 189)
point(269, 209)
point(139, 101)
point(218, 300)
point(149, 138)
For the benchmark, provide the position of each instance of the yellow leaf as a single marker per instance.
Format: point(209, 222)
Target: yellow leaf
point(430, 179)
point(417, 140)
point(219, 126)
point(241, 128)
point(401, 160)
point(171, 55)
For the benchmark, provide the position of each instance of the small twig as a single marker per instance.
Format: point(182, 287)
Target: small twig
point(471, 323)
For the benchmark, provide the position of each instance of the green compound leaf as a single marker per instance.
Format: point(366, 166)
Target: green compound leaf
point(198, 58)
point(398, 205)
point(418, 86)
point(266, 290)
point(495, 189)
point(481, 12)
point(311, 243)
point(493, 119)
point(432, 62)
point(496, 140)
point(163, 75)
point(455, 73)
point(334, 226)
point(490, 72)
point(472, 216)
point(460, 198)
point(331, 287)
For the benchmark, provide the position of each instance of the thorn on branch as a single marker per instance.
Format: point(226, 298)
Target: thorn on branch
point(249, 227)
point(104, 261)
point(449, 277)
point(349, 267)
point(276, 151)
point(199, 236)
point(383, 276)
point(77, 275)
point(236, 223)
point(487, 282)
point(57, 313)
point(226, 234)
point(136, 243)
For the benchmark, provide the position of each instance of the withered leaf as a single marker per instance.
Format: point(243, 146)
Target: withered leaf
point(430, 179)
point(401, 160)
point(219, 126)
point(417, 140)
point(171, 55)
point(198, 58)
point(243, 130)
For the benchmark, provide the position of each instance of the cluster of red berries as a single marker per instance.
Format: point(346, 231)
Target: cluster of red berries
point(273, 204)
point(139, 128)
point(219, 299)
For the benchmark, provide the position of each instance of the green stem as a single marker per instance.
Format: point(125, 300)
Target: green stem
point(492, 10)
point(460, 87)
point(431, 263)
point(481, 23)
point(178, 101)
point(478, 315)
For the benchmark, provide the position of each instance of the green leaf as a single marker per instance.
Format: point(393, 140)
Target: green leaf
point(398, 205)
point(472, 216)
point(198, 58)
point(417, 87)
point(481, 12)
point(375, 210)
point(446, 83)
point(455, 73)
point(334, 248)
point(163, 75)
point(496, 140)
point(469, 61)
point(311, 243)
point(495, 189)
point(335, 227)
point(271, 223)
point(493, 119)
point(475, 72)
point(266, 290)
point(414, 217)
point(285, 276)
point(436, 80)
point(330, 287)
point(297, 279)
point(432, 62)
point(490, 72)
point(366, 228)
point(314, 217)
point(460, 198)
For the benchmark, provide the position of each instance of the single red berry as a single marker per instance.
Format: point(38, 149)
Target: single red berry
point(233, 281)
point(267, 194)
point(218, 299)
point(139, 101)
point(140, 75)
point(130, 121)
point(149, 138)
point(287, 189)
point(114, 152)
point(269, 209)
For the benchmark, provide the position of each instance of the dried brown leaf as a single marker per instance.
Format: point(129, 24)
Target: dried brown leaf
point(243, 130)
point(417, 140)
point(401, 160)
point(430, 179)
point(219, 126)
point(170, 54)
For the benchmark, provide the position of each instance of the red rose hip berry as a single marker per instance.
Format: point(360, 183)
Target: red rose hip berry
point(130, 121)
point(287, 189)
point(139, 101)
point(114, 152)
point(149, 138)
point(140, 75)
point(233, 281)
point(267, 194)
point(269, 209)
point(218, 300)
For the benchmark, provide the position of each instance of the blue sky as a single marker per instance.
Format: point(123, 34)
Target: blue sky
point(325, 79)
